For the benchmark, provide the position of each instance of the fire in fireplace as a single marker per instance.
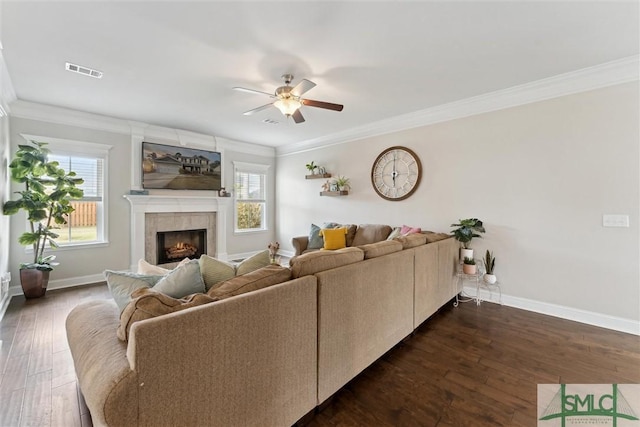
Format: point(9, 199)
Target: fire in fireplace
point(173, 246)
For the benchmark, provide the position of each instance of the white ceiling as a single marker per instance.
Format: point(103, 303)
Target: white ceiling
point(173, 64)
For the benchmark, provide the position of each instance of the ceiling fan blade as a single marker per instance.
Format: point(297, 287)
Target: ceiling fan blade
point(302, 87)
point(244, 89)
point(320, 104)
point(297, 117)
point(255, 110)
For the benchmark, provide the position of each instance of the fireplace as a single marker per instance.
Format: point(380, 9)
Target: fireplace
point(156, 213)
point(174, 246)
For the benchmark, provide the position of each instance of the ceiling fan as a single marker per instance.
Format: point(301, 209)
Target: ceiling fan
point(289, 99)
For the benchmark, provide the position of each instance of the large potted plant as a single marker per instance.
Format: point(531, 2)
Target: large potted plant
point(466, 230)
point(47, 201)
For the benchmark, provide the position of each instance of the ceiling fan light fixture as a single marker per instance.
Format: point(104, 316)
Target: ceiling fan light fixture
point(287, 106)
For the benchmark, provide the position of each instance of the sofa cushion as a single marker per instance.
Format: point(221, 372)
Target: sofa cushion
point(181, 281)
point(334, 238)
point(147, 303)
point(254, 262)
point(314, 262)
point(370, 233)
point(374, 250)
point(215, 271)
point(434, 237)
point(412, 240)
point(351, 233)
point(258, 279)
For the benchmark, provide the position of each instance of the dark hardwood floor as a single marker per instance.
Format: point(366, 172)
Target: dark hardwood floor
point(466, 366)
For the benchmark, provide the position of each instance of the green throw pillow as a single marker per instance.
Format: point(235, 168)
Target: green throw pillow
point(254, 262)
point(215, 271)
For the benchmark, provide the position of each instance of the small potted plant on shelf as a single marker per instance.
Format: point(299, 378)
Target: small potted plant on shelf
point(489, 265)
point(466, 230)
point(469, 266)
point(47, 201)
point(312, 168)
point(343, 183)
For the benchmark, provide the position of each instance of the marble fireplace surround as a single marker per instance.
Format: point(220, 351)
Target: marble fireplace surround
point(169, 213)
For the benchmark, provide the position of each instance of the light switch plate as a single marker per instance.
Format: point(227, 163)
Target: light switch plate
point(609, 220)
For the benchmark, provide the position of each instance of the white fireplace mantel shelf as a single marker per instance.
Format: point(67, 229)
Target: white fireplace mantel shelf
point(143, 204)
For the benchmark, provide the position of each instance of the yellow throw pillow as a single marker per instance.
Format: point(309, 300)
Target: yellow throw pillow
point(334, 238)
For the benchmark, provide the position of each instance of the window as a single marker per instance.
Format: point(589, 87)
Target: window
point(251, 199)
point(83, 224)
point(88, 223)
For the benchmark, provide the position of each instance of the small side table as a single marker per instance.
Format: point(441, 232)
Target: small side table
point(478, 279)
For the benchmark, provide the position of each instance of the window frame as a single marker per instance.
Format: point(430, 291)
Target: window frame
point(254, 168)
point(74, 148)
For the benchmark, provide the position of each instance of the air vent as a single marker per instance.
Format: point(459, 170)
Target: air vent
point(270, 121)
point(83, 70)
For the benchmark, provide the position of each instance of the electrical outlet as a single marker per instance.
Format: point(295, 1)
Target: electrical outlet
point(610, 220)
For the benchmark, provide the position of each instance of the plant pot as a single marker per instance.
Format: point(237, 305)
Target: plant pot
point(469, 268)
point(466, 253)
point(490, 278)
point(343, 188)
point(34, 282)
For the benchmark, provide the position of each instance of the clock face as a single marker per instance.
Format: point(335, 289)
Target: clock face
point(395, 174)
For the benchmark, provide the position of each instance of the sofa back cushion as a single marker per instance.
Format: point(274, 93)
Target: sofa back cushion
point(412, 240)
point(374, 250)
point(258, 279)
point(314, 262)
point(147, 303)
point(434, 237)
point(370, 233)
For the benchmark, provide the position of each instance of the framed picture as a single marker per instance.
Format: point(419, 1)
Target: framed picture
point(180, 168)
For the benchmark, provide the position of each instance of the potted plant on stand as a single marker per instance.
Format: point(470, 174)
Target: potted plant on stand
point(489, 265)
point(469, 266)
point(46, 200)
point(466, 231)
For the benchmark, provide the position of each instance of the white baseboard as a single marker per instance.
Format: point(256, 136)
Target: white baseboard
point(4, 304)
point(628, 326)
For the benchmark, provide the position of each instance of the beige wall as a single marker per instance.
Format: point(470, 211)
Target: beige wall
point(541, 176)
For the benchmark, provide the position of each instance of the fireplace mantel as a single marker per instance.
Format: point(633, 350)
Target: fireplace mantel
point(141, 205)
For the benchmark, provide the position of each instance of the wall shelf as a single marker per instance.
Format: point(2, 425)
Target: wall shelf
point(334, 193)
point(318, 176)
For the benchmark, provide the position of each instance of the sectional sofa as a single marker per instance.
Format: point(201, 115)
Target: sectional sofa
point(267, 357)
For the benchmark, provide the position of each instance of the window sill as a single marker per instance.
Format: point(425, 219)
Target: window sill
point(254, 231)
point(71, 247)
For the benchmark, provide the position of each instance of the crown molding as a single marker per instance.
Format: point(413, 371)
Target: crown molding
point(69, 117)
point(7, 92)
point(66, 116)
point(608, 74)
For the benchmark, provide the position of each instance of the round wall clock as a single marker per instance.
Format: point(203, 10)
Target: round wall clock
point(396, 173)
